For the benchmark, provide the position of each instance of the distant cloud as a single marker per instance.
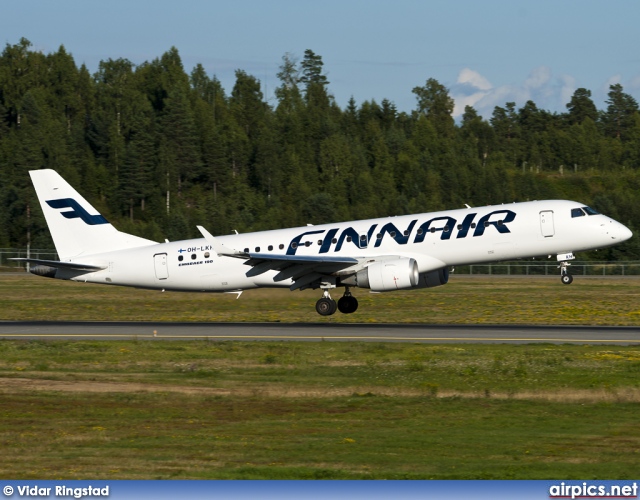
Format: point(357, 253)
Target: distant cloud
point(538, 78)
point(473, 89)
point(475, 79)
point(635, 83)
point(568, 87)
point(549, 92)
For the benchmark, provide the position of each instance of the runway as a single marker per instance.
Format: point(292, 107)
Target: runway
point(418, 333)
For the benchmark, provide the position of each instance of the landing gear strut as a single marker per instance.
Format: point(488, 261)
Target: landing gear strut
point(565, 277)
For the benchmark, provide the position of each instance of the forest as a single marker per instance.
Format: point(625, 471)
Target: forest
point(158, 150)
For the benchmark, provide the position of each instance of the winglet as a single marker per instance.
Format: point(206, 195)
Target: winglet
point(218, 247)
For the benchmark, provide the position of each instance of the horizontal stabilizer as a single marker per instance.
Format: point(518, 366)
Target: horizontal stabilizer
point(74, 266)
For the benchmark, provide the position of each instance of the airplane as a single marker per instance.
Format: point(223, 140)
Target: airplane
point(392, 253)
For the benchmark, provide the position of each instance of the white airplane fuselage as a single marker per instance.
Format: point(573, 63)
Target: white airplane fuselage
point(539, 228)
point(392, 253)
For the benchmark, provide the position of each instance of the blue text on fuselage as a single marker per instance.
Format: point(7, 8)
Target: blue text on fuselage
point(445, 225)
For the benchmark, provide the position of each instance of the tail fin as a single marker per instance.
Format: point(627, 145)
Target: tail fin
point(74, 230)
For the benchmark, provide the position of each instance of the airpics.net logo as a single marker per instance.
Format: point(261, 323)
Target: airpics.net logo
point(586, 490)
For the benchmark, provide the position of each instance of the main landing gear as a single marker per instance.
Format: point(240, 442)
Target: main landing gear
point(565, 277)
point(347, 304)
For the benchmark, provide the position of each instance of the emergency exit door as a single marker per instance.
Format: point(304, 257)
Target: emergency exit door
point(160, 263)
point(546, 223)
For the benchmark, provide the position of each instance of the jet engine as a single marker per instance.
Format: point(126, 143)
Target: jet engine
point(386, 275)
point(434, 278)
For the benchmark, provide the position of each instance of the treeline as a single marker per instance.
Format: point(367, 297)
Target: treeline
point(158, 150)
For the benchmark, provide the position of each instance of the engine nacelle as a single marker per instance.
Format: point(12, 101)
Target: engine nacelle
point(387, 275)
point(434, 278)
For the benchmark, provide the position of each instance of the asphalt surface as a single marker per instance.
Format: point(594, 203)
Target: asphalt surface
point(419, 333)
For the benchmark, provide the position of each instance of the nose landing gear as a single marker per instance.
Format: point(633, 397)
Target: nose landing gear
point(565, 277)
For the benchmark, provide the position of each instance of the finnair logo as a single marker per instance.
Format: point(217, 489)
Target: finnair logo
point(77, 211)
point(445, 225)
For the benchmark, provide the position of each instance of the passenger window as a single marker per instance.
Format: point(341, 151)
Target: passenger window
point(348, 239)
point(392, 234)
point(419, 231)
point(270, 248)
point(294, 245)
point(194, 256)
point(379, 236)
point(307, 243)
point(334, 240)
point(319, 242)
point(281, 246)
point(257, 249)
point(246, 250)
point(207, 255)
point(180, 257)
point(576, 212)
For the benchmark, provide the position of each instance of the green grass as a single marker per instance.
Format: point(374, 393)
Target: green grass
point(488, 300)
point(325, 410)
point(153, 436)
point(199, 409)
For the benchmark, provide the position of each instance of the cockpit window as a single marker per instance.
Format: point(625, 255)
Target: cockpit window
point(577, 212)
point(590, 211)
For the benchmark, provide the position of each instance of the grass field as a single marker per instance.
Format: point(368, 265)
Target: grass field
point(488, 300)
point(273, 410)
point(156, 409)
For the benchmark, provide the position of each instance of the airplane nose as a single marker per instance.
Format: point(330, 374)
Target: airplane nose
point(625, 233)
point(619, 232)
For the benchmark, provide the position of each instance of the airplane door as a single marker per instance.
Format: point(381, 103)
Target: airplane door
point(160, 263)
point(546, 223)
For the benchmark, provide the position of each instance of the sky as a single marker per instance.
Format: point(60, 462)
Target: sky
point(486, 52)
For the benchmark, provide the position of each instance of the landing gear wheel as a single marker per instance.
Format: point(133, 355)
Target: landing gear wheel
point(326, 306)
point(347, 304)
point(567, 279)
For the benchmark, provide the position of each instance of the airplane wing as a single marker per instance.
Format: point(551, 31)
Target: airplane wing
point(74, 266)
point(303, 270)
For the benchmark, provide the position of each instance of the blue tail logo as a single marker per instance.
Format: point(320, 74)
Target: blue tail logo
point(77, 211)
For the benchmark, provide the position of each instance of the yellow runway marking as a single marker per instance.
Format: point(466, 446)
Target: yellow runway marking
point(315, 337)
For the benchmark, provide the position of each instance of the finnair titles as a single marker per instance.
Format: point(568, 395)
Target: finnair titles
point(393, 253)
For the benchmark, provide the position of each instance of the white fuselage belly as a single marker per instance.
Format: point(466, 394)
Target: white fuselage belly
point(434, 240)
